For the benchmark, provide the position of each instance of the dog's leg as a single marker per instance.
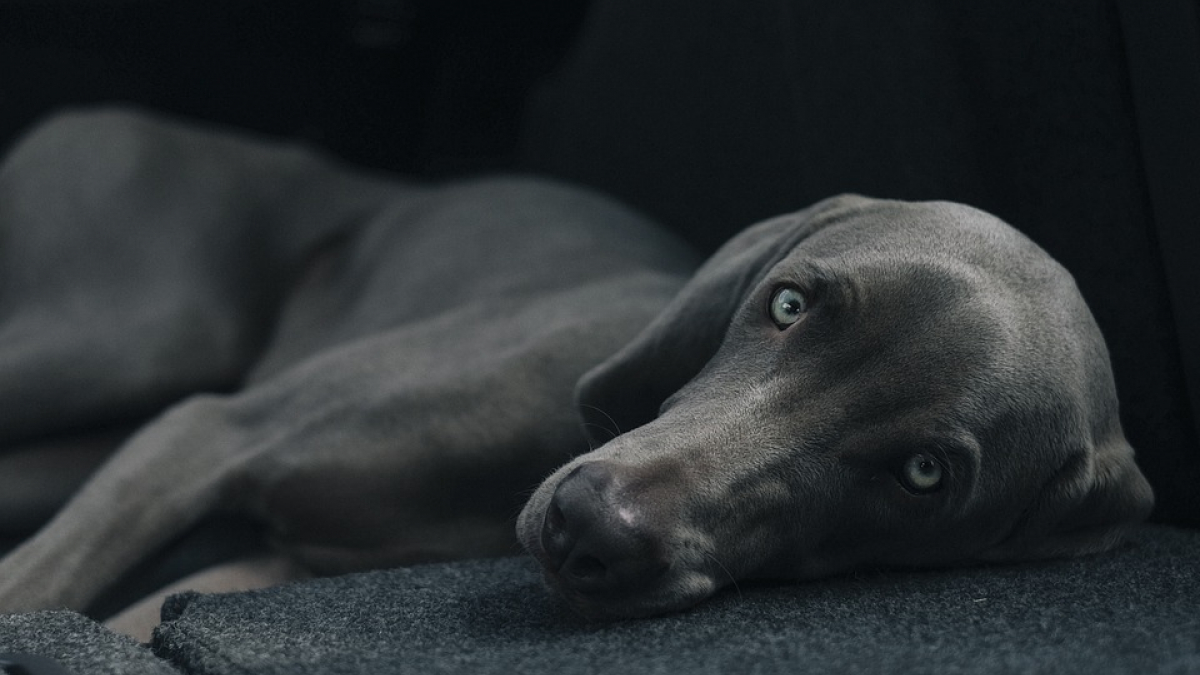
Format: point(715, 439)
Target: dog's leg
point(158, 484)
point(381, 451)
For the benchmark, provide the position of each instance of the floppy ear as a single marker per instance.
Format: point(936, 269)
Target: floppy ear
point(1089, 505)
point(626, 390)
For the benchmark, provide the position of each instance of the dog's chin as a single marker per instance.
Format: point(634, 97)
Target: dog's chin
point(677, 593)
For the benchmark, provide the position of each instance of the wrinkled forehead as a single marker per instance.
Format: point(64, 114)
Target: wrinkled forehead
point(875, 231)
point(930, 245)
point(949, 279)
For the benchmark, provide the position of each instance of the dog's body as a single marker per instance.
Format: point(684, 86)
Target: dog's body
point(860, 383)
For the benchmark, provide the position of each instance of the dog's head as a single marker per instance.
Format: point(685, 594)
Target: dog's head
point(863, 383)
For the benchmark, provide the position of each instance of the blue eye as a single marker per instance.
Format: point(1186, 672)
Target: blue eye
point(921, 474)
point(788, 306)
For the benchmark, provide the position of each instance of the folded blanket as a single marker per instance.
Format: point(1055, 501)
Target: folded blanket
point(1136, 610)
point(78, 644)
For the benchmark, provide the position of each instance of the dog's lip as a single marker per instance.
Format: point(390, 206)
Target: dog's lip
point(636, 604)
point(680, 589)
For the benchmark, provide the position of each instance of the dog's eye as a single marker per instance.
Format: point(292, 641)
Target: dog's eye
point(921, 474)
point(788, 305)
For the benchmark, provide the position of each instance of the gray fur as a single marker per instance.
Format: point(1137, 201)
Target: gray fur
point(382, 370)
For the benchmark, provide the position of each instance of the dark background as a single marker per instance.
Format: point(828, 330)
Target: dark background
point(709, 114)
point(420, 86)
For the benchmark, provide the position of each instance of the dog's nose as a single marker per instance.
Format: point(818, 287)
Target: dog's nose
point(597, 542)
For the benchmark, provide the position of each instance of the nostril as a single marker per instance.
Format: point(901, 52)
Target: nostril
point(555, 520)
point(557, 540)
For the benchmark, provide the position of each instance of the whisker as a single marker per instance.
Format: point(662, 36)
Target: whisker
point(591, 443)
point(729, 574)
point(616, 428)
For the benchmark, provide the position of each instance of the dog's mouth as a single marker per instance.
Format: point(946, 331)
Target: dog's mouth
point(597, 593)
point(609, 559)
point(671, 593)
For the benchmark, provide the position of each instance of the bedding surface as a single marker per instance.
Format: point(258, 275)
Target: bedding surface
point(1136, 610)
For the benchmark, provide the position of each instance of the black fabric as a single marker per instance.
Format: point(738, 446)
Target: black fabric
point(77, 643)
point(713, 115)
point(417, 86)
point(1132, 611)
point(1162, 45)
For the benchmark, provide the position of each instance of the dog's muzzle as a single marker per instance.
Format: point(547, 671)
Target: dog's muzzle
point(595, 542)
point(614, 546)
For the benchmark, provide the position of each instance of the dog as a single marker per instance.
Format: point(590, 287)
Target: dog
point(385, 372)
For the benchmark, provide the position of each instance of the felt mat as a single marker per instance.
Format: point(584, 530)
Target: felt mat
point(1136, 610)
point(78, 644)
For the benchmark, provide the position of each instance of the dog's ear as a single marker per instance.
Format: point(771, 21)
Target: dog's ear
point(1088, 506)
point(626, 390)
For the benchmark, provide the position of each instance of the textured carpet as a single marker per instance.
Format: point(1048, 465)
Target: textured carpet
point(1136, 610)
point(1133, 611)
point(78, 644)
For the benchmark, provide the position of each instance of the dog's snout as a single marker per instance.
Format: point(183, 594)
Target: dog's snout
point(596, 540)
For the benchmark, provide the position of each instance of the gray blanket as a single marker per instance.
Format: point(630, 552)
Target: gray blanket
point(77, 643)
point(1134, 611)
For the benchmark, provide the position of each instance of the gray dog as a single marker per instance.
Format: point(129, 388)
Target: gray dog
point(395, 367)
